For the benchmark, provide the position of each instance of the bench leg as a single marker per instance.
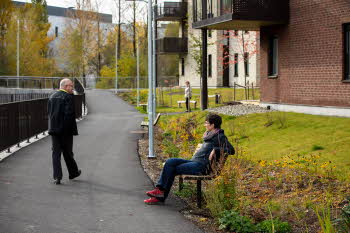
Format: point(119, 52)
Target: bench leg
point(199, 193)
point(179, 105)
point(195, 105)
point(181, 183)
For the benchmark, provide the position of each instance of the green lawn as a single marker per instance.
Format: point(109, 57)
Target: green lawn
point(290, 134)
point(302, 134)
point(167, 98)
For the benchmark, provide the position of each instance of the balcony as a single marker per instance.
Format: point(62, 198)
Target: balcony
point(172, 45)
point(239, 14)
point(170, 11)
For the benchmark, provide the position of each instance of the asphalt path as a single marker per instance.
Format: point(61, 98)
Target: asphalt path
point(108, 197)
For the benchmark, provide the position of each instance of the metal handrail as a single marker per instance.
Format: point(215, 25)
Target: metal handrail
point(20, 121)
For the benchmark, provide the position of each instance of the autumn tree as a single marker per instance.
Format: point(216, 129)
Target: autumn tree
point(34, 43)
point(78, 47)
point(127, 62)
point(245, 44)
point(6, 9)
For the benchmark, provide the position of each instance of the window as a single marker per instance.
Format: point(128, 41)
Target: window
point(56, 31)
point(273, 56)
point(236, 65)
point(236, 33)
point(209, 33)
point(209, 66)
point(246, 63)
point(182, 66)
point(246, 32)
point(347, 51)
point(226, 32)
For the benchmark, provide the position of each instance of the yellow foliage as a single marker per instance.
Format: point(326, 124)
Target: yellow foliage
point(34, 44)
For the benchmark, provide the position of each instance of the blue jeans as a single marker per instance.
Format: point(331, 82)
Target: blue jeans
point(176, 166)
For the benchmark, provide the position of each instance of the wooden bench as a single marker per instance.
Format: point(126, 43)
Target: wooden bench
point(184, 102)
point(218, 100)
point(145, 123)
point(144, 106)
point(215, 169)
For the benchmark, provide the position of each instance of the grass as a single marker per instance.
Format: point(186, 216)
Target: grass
point(167, 98)
point(302, 135)
point(286, 165)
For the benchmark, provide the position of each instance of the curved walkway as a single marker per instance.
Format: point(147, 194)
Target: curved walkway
point(108, 197)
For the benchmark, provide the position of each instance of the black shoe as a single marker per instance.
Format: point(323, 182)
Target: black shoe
point(57, 181)
point(76, 175)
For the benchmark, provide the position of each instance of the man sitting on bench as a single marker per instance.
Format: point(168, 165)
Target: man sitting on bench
point(215, 143)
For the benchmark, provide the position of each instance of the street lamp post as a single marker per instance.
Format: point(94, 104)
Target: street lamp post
point(154, 63)
point(17, 53)
point(138, 73)
point(150, 87)
point(151, 70)
point(116, 63)
point(116, 58)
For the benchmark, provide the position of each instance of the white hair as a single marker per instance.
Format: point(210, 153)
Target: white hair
point(64, 82)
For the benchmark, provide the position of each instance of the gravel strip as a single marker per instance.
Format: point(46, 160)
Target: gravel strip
point(239, 110)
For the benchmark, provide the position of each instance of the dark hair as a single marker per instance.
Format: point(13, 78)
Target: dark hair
point(214, 119)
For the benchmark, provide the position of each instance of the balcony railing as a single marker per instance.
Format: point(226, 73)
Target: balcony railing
point(221, 14)
point(172, 45)
point(169, 11)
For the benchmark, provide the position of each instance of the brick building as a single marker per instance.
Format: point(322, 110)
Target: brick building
point(304, 53)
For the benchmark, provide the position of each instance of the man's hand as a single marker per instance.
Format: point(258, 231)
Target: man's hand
point(212, 155)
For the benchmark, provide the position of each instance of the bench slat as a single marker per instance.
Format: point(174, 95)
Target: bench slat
point(197, 177)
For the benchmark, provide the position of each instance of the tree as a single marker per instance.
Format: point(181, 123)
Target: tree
point(34, 44)
point(79, 45)
point(6, 10)
point(126, 63)
point(244, 44)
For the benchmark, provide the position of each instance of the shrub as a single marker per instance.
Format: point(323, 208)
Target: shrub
point(233, 221)
point(188, 190)
point(273, 226)
point(317, 147)
point(221, 194)
point(171, 149)
point(343, 223)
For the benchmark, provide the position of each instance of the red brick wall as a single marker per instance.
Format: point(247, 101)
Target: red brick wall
point(310, 55)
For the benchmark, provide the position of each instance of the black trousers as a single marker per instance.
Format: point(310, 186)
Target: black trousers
point(63, 144)
point(188, 107)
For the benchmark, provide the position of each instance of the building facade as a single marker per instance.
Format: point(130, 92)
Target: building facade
point(304, 49)
point(226, 57)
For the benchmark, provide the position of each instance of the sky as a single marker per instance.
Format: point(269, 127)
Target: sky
point(107, 6)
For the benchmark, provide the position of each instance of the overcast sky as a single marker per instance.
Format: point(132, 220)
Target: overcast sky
point(107, 6)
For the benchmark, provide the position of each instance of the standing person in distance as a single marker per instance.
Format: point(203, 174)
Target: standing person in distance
point(62, 127)
point(188, 96)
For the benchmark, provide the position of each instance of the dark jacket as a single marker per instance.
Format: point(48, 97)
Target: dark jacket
point(219, 142)
point(61, 114)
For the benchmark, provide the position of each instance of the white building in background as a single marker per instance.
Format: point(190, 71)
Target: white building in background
point(220, 73)
point(58, 17)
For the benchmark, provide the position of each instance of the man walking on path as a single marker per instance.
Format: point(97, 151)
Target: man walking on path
point(62, 127)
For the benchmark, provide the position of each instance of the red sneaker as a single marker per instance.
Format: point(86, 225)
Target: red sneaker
point(153, 201)
point(155, 193)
